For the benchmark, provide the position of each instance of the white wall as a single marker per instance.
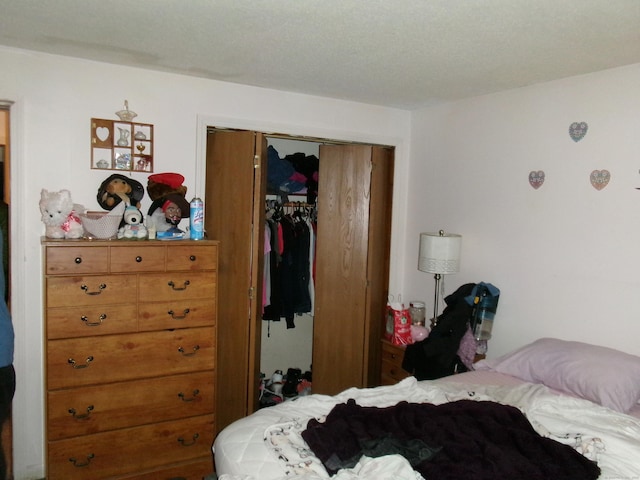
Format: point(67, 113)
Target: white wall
point(55, 99)
point(566, 256)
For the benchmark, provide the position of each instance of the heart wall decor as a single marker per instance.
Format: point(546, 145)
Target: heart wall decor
point(536, 179)
point(577, 130)
point(102, 133)
point(600, 179)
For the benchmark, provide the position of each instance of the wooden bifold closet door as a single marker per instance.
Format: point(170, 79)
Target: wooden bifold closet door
point(234, 203)
point(352, 264)
point(352, 267)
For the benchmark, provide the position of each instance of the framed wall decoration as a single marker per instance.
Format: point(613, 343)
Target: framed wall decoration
point(120, 145)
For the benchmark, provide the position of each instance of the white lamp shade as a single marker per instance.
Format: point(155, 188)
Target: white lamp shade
point(439, 253)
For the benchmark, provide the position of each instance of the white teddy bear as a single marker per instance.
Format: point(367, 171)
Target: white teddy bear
point(133, 227)
point(60, 215)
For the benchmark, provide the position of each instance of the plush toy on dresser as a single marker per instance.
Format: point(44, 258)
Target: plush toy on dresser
point(60, 214)
point(119, 188)
point(133, 227)
point(169, 206)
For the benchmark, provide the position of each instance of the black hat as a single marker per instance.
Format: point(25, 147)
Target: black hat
point(176, 198)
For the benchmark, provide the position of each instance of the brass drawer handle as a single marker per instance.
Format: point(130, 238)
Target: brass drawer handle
point(73, 363)
point(76, 463)
point(101, 287)
point(82, 416)
point(173, 285)
point(196, 392)
point(179, 317)
point(87, 323)
point(191, 354)
point(188, 444)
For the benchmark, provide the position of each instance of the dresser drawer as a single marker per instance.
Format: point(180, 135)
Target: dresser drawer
point(192, 257)
point(85, 410)
point(177, 286)
point(91, 290)
point(392, 353)
point(75, 260)
point(68, 322)
point(177, 314)
point(391, 370)
point(112, 358)
point(119, 452)
point(141, 258)
point(391, 373)
point(193, 470)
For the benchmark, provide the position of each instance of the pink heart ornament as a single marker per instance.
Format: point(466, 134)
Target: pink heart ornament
point(600, 179)
point(536, 179)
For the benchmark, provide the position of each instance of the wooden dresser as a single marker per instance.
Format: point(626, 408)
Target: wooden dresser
point(130, 358)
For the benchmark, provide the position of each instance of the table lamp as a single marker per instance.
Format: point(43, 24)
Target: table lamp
point(439, 254)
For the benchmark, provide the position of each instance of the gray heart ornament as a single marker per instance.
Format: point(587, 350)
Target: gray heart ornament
point(577, 130)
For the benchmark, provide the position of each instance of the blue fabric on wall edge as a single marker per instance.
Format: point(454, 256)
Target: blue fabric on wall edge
point(6, 327)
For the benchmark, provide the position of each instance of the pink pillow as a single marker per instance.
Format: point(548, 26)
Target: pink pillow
point(600, 374)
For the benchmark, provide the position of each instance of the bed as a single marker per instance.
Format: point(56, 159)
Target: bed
point(551, 409)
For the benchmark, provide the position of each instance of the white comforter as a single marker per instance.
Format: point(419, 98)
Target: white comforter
point(267, 445)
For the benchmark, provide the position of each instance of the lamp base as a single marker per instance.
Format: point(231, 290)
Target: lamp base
point(434, 320)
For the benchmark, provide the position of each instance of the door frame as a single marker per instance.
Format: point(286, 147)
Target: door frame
point(5, 107)
point(297, 131)
point(207, 122)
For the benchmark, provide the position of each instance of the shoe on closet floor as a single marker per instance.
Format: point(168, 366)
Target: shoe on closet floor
point(290, 388)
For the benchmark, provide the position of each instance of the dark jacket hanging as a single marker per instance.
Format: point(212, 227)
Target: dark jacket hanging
point(437, 355)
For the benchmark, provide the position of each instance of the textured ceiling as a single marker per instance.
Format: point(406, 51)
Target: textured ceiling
point(400, 53)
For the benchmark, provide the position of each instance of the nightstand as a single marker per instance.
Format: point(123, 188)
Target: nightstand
point(391, 371)
point(392, 356)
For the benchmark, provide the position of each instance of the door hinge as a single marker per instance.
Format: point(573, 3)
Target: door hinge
point(251, 293)
point(256, 161)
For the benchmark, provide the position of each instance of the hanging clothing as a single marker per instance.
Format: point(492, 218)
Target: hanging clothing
point(266, 290)
point(272, 310)
point(312, 262)
point(291, 265)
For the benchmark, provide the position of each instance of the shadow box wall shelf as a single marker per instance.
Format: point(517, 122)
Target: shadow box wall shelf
point(118, 145)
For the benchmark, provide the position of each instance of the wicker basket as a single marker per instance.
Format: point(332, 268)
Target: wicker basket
point(102, 225)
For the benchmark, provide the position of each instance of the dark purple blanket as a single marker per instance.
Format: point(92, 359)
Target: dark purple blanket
point(463, 440)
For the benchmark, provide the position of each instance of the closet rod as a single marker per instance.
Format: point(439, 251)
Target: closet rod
point(298, 204)
point(295, 205)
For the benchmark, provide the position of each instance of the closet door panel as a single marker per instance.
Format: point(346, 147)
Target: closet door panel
point(229, 213)
point(341, 270)
point(257, 270)
point(378, 260)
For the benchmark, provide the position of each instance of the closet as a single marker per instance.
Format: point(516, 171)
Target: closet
point(352, 263)
point(289, 289)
